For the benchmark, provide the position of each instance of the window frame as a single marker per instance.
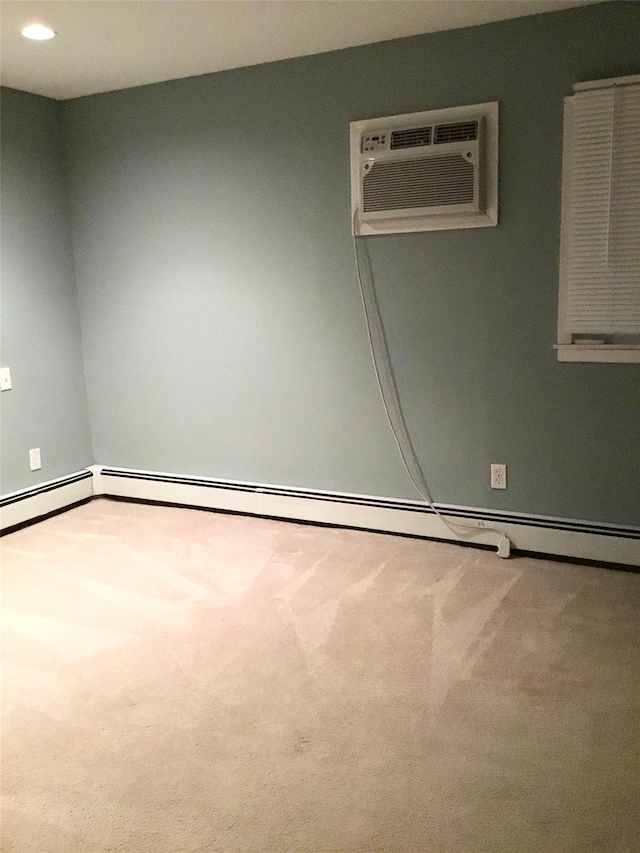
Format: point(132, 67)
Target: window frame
point(565, 349)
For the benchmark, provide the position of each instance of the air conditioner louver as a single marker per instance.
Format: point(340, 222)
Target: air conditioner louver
point(411, 137)
point(420, 182)
point(460, 132)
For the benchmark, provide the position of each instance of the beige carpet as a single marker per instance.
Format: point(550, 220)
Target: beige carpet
point(177, 681)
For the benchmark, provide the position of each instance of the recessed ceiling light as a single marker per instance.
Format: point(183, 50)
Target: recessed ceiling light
point(37, 32)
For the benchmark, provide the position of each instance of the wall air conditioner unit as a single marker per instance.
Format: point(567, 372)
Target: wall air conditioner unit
point(425, 171)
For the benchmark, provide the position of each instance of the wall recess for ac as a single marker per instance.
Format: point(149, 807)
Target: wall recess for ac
point(427, 171)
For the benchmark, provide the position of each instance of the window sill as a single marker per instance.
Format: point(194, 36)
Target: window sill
point(612, 353)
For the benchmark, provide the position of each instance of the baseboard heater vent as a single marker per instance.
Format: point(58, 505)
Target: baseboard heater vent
point(26, 506)
point(538, 534)
point(613, 545)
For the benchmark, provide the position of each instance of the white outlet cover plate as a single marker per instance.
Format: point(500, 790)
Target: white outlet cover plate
point(34, 459)
point(498, 476)
point(5, 379)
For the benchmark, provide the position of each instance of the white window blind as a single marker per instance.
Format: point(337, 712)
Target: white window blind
point(600, 255)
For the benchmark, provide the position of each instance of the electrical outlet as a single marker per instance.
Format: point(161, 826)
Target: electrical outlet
point(5, 379)
point(34, 459)
point(498, 476)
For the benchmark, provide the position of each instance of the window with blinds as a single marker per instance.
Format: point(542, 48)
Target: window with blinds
point(599, 306)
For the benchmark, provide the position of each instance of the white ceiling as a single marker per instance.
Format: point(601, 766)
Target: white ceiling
point(114, 44)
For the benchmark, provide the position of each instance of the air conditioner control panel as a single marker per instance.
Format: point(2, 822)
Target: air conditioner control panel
point(375, 142)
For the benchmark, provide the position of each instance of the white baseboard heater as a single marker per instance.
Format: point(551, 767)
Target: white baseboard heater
point(31, 504)
point(582, 540)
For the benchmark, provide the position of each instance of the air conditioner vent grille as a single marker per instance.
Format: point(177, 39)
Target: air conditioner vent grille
point(462, 131)
point(419, 182)
point(411, 137)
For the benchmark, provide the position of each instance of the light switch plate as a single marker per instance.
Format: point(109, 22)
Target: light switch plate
point(5, 379)
point(34, 459)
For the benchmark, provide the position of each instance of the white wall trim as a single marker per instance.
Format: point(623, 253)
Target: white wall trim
point(553, 536)
point(29, 504)
point(628, 354)
point(630, 80)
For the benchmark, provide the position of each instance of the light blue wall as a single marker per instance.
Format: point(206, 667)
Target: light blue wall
point(223, 331)
point(47, 407)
